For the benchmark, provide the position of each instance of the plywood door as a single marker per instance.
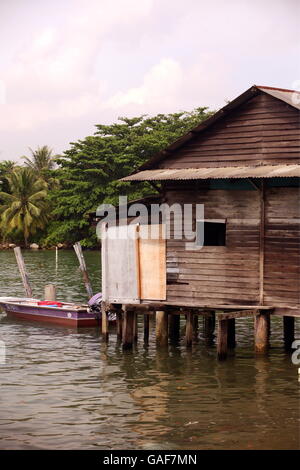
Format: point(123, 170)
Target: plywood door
point(152, 263)
point(120, 272)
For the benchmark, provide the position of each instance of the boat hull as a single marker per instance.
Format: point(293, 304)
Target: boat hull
point(66, 317)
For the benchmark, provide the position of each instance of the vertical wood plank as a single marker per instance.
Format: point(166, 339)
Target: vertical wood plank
point(83, 269)
point(262, 244)
point(261, 331)
point(104, 321)
point(23, 272)
point(50, 292)
point(135, 327)
point(162, 328)
point(222, 339)
point(128, 326)
point(119, 324)
point(189, 329)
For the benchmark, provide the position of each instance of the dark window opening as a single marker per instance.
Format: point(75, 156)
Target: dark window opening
point(214, 233)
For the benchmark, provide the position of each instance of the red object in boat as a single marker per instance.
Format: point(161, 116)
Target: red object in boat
point(50, 302)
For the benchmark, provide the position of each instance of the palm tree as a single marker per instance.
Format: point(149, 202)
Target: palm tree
point(24, 207)
point(41, 161)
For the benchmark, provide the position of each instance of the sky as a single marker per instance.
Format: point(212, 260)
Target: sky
point(66, 65)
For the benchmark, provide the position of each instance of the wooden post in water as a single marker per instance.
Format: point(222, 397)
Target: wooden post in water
point(261, 331)
point(162, 328)
point(104, 321)
point(231, 333)
point(222, 339)
point(23, 272)
point(174, 326)
point(146, 327)
point(119, 324)
point(83, 269)
point(195, 327)
point(288, 331)
point(189, 329)
point(50, 292)
point(128, 327)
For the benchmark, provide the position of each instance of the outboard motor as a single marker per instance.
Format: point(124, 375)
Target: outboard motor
point(94, 306)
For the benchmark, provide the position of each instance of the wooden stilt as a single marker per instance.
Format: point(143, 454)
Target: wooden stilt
point(261, 331)
point(104, 322)
point(174, 326)
point(189, 329)
point(83, 269)
point(162, 328)
point(50, 292)
point(23, 272)
point(135, 327)
point(288, 331)
point(231, 333)
point(119, 324)
point(146, 327)
point(128, 329)
point(222, 339)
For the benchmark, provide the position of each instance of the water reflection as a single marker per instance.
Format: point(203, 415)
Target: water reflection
point(66, 389)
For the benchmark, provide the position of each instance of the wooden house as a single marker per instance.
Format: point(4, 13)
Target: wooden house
point(243, 164)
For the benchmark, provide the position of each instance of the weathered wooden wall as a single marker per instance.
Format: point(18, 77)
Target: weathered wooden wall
point(262, 130)
point(282, 247)
point(222, 274)
point(230, 274)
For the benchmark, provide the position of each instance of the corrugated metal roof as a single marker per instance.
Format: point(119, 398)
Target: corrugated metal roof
point(261, 171)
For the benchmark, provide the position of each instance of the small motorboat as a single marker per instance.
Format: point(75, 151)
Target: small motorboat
point(59, 313)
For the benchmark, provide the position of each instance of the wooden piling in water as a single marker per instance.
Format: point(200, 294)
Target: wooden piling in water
point(161, 328)
point(119, 319)
point(222, 344)
point(23, 272)
point(209, 323)
point(135, 327)
point(128, 329)
point(189, 329)
point(83, 269)
point(261, 331)
point(104, 321)
point(288, 331)
point(50, 292)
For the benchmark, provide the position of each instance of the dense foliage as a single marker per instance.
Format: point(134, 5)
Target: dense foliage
point(87, 175)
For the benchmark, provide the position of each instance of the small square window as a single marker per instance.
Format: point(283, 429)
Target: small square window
point(213, 231)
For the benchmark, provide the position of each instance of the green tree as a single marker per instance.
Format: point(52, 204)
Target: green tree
point(41, 162)
point(6, 168)
point(24, 207)
point(90, 170)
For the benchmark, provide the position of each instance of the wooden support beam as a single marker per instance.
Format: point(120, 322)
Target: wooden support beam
point(119, 324)
point(162, 328)
point(231, 333)
point(23, 272)
point(189, 329)
point(146, 327)
point(222, 339)
point(50, 292)
point(288, 331)
point(83, 269)
point(104, 321)
point(128, 329)
point(261, 331)
point(174, 326)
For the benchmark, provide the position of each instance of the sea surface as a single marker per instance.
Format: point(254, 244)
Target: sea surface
point(62, 388)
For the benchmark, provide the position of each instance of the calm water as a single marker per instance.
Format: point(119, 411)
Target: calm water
point(65, 389)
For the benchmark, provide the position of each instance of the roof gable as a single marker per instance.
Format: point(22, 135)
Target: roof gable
point(261, 126)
